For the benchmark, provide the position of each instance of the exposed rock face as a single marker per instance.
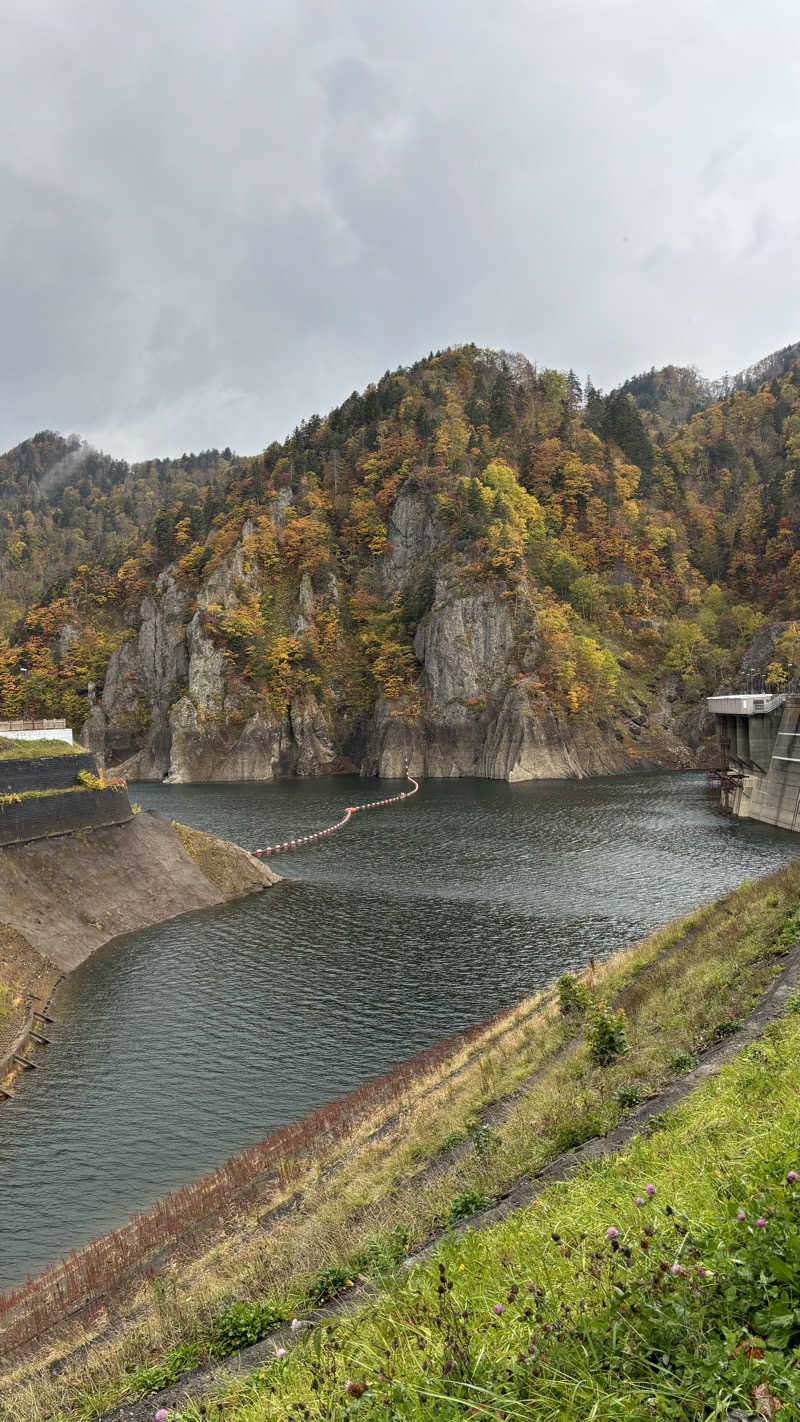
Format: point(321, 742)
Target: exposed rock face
point(762, 648)
point(415, 534)
point(173, 675)
point(522, 746)
point(142, 679)
point(172, 709)
point(464, 644)
point(482, 713)
point(207, 747)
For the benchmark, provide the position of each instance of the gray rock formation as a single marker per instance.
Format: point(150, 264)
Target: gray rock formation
point(762, 648)
point(143, 677)
point(173, 709)
point(415, 534)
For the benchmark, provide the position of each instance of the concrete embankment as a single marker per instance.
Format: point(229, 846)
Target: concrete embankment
point(61, 899)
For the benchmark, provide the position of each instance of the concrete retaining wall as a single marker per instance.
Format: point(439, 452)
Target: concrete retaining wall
point(774, 797)
point(55, 772)
point(48, 815)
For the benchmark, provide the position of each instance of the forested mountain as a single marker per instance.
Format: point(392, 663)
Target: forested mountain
point(673, 394)
point(63, 503)
point(473, 561)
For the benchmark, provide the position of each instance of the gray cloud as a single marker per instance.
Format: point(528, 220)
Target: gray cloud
point(215, 220)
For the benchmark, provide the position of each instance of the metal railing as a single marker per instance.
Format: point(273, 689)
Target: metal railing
point(51, 725)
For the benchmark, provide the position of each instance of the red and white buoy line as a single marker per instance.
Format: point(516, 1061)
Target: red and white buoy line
point(340, 824)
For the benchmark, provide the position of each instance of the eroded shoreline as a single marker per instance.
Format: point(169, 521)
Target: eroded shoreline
point(62, 899)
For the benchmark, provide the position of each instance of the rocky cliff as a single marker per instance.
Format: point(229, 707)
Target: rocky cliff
point(172, 707)
point(474, 561)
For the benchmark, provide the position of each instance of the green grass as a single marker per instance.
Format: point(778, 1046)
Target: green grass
point(36, 750)
point(681, 1315)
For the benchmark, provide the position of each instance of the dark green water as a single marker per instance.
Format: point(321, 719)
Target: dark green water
point(184, 1043)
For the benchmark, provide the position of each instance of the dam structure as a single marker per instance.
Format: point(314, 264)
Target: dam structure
point(759, 741)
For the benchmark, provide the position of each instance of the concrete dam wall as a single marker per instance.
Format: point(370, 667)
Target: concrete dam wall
point(759, 740)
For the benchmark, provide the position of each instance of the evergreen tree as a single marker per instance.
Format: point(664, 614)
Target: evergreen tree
point(501, 403)
point(623, 424)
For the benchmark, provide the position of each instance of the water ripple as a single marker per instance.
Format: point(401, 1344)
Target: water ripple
point(188, 1041)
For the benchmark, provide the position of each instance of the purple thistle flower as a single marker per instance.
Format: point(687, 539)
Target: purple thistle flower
point(760, 1222)
point(639, 1200)
point(650, 1190)
point(162, 1415)
point(498, 1309)
point(791, 1177)
point(280, 1352)
point(612, 1232)
point(740, 1215)
point(676, 1269)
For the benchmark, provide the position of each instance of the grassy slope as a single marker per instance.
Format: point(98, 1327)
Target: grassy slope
point(683, 1315)
point(495, 1111)
point(36, 750)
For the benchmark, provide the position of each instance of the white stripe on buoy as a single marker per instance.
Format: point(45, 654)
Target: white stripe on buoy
point(349, 812)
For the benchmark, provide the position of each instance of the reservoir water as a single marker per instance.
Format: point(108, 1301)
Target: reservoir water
point(182, 1044)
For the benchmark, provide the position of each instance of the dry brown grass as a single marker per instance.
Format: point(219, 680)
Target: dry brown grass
point(227, 866)
point(23, 971)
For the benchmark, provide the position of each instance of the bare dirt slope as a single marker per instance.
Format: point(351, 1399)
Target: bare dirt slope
point(70, 895)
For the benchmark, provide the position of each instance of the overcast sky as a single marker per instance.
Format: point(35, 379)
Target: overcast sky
point(220, 216)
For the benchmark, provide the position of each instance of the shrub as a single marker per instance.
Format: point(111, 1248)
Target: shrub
point(467, 1203)
point(628, 1095)
point(327, 1284)
point(572, 996)
point(452, 1140)
point(577, 1128)
point(382, 1251)
point(241, 1324)
point(153, 1378)
point(87, 781)
point(724, 1029)
point(483, 1138)
point(606, 1036)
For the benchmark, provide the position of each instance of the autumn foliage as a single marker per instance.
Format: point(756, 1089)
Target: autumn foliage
point(639, 547)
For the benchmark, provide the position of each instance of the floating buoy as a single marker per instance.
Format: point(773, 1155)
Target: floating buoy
point(349, 812)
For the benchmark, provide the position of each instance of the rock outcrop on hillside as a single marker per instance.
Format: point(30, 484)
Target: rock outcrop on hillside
point(762, 650)
point(475, 561)
point(170, 709)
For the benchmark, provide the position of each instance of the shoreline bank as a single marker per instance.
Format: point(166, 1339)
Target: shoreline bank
point(63, 898)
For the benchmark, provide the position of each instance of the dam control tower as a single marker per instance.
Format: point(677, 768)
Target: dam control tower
point(759, 741)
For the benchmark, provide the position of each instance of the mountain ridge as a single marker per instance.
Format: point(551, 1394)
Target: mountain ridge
point(473, 563)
